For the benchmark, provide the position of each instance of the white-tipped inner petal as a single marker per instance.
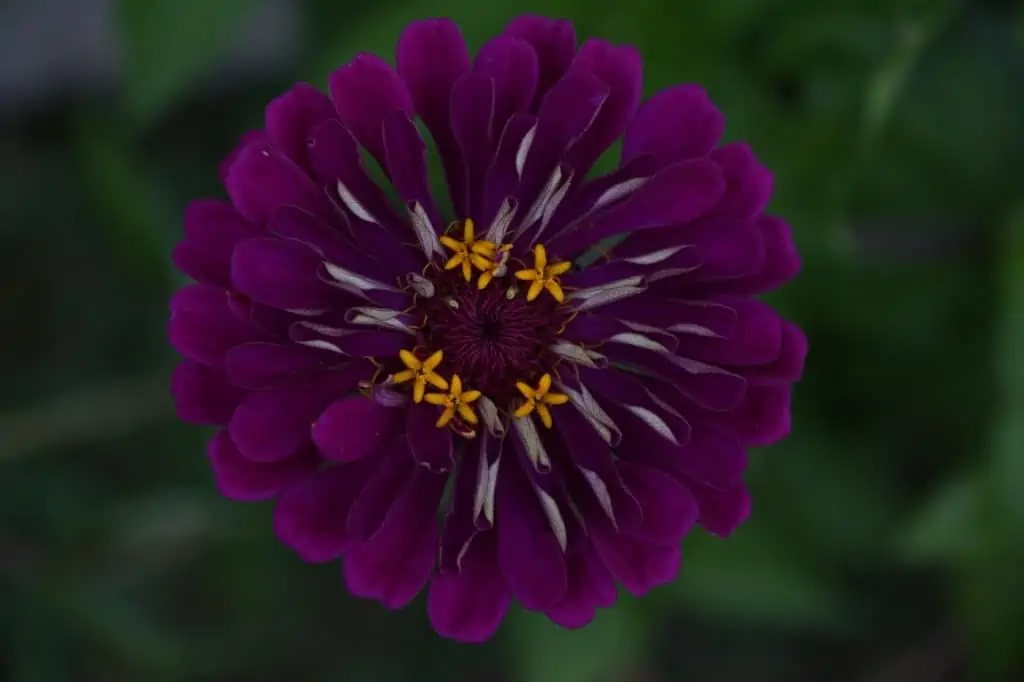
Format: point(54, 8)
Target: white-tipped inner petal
point(425, 233)
point(524, 150)
point(654, 421)
point(492, 486)
point(492, 420)
point(537, 210)
point(616, 192)
point(694, 329)
point(600, 491)
point(583, 401)
point(482, 480)
point(353, 205)
point(377, 317)
point(638, 341)
point(578, 354)
point(421, 285)
point(535, 451)
point(655, 256)
point(352, 280)
point(499, 226)
point(554, 517)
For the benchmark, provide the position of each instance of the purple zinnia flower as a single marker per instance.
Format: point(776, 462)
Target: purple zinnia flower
point(466, 402)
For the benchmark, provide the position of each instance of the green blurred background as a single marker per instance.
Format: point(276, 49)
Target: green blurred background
point(886, 543)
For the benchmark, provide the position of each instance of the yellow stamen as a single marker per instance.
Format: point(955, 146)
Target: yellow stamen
point(420, 372)
point(542, 276)
point(491, 267)
point(469, 252)
point(539, 400)
point(456, 401)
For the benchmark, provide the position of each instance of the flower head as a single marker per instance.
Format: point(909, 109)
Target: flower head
point(360, 358)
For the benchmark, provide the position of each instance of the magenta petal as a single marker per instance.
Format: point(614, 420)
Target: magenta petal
point(721, 511)
point(780, 262)
point(202, 326)
point(554, 41)
point(365, 91)
point(242, 479)
point(371, 507)
point(395, 564)
point(310, 514)
point(212, 228)
point(511, 64)
point(282, 273)
point(669, 510)
point(678, 194)
point(468, 605)
point(248, 138)
point(591, 586)
point(638, 565)
point(268, 365)
point(431, 56)
point(529, 555)
point(748, 184)
point(355, 428)
point(271, 425)
point(260, 182)
point(789, 365)
point(203, 395)
point(471, 119)
point(621, 68)
point(763, 417)
point(431, 446)
point(291, 118)
point(675, 124)
point(756, 338)
point(406, 155)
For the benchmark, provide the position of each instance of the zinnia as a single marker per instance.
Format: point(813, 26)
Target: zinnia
point(535, 399)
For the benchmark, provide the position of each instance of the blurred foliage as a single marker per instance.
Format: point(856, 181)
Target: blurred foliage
point(888, 532)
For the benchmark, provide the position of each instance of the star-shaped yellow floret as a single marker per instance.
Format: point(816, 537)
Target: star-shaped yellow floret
point(421, 372)
point(539, 399)
point(544, 276)
point(469, 252)
point(491, 268)
point(455, 401)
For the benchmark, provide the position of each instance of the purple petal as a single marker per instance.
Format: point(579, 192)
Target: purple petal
point(212, 228)
point(431, 56)
point(780, 262)
point(248, 138)
point(202, 326)
point(395, 564)
point(726, 250)
point(638, 565)
point(678, 194)
point(431, 446)
point(529, 555)
point(669, 510)
point(471, 119)
point(590, 328)
point(756, 338)
point(468, 605)
point(262, 365)
point(763, 417)
point(355, 428)
point(704, 385)
point(365, 92)
point(503, 177)
point(600, 482)
point(241, 479)
point(393, 476)
point(675, 124)
point(282, 273)
point(682, 317)
point(407, 159)
point(203, 395)
point(260, 182)
point(271, 425)
point(789, 365)
point(623, 389)
point(554, 41)
point(511, 63)
point(591, 586)
point(748, 184)
point(620, 67)
point(721, 511)
point(310, 514)
point(291, 117)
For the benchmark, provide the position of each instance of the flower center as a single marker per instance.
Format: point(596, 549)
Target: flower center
point(493, 337)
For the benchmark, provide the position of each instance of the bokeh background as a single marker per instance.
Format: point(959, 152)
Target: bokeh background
point(888, 536)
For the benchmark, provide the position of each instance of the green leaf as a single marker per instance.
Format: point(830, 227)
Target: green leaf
point(946, 526)
point(607, 649)
point(167, 45)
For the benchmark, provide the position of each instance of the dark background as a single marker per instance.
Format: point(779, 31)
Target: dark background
point(886, 542)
